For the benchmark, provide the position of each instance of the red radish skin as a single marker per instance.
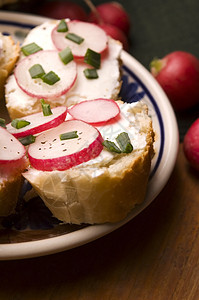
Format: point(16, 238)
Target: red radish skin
point(191, 145)
point(62, 9)
point(12, 154)
point(49, 153)
point(39, 122)
point(111, 13)
point(97, 111)
point(178, 75)
point(50, 61)
point(95, 38)
point(116, 34)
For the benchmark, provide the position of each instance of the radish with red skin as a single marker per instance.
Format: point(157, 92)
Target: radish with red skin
point(178, 75)
point(116, 34)
point(50, 153)
point(50, 61)
point(39, 122)
point(94, 37)
point(12, 154)
point(111, 13)
point(191, 145)
point(62, 9)
point(95, 111)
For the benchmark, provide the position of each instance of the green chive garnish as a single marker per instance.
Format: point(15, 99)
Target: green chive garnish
point(46, 108)
point(50, 78)
point(90, 73)
point(30, 49)
point(124, 142)
point(111, 146)
point(2, 123)
point(62, 27)
point(69, 135)
point(36, 71)
point(18, 124)
point(66, 55)
point(74, 38)
point(92, 58)
point(27, 140)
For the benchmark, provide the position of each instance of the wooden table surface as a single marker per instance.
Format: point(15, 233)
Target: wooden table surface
point(154, 257)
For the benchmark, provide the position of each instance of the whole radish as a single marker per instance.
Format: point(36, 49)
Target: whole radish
point(178, 75)
point(191, 145)
point(111, 13)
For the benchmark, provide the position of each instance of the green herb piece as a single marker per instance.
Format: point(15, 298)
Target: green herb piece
point(36, 71)
point(27, 140)
point(50, 78)
point(46, 108)
point(69, 135)
point(90, 73)
point(111, 146)
point(2, 123)
point(66, 55)
point(62, 26)
point(92, 58)
point(30, 49)
point(74, 38)
point(18, 124)
point(124, 142)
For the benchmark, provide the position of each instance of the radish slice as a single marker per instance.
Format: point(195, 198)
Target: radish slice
point(12, 153)
point(50, 61)
point(94, 37)
point(49, 153)
point(39, 122)
point(95, 111)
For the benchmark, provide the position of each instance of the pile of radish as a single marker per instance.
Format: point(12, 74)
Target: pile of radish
point(59, 144)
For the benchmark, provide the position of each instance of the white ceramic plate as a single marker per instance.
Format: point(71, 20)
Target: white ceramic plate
point(138, 83)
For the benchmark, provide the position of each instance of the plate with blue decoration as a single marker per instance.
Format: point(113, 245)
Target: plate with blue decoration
point(32, 231)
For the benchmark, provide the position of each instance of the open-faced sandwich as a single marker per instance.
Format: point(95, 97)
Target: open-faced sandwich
point(89, 153)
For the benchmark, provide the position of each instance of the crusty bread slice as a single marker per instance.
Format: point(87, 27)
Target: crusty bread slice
point(9, 51)
point(9, 192)
point(102, 191)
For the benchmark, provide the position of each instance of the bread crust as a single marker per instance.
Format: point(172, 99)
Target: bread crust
point(9, 192)
point(10, 55)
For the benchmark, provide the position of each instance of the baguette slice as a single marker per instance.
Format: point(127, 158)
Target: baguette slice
point(9, 53)
point(13, 162)
point(104, 189)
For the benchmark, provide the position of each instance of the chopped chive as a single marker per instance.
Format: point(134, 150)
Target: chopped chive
point(66, 55)
point(62, 26)
point(92, 58)
point(111, 146)
point(27, 140)
point(46, 108)
point(90, 73)
point(36, 71)
point(50, 78)
point(69, 135)
point(30, 49)
point(124, 142)
point(18, 124)
point(74, 38)
point(2, 123)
